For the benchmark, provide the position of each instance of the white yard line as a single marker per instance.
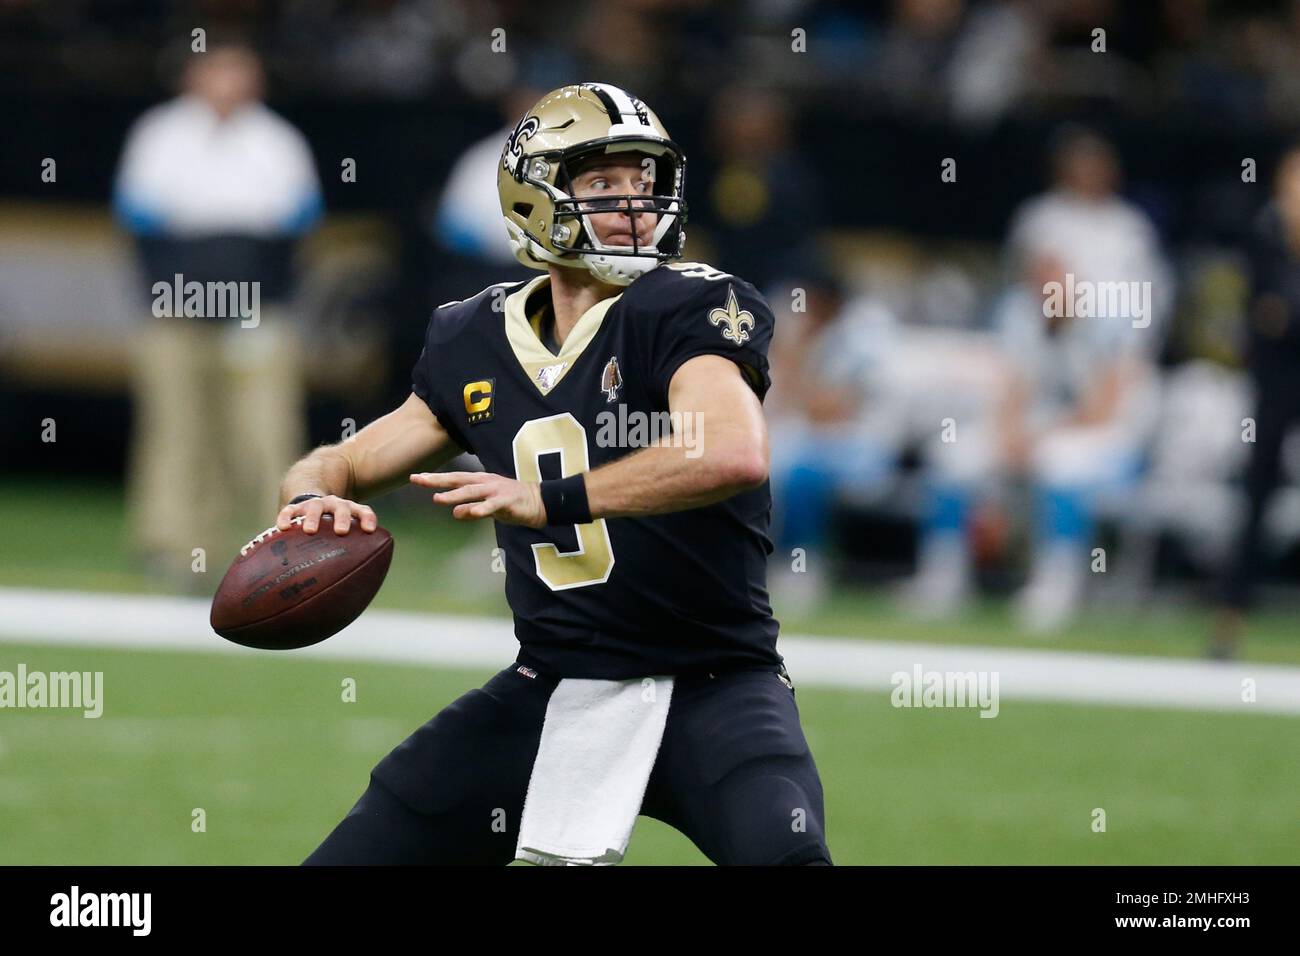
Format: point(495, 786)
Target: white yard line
point(169, 623)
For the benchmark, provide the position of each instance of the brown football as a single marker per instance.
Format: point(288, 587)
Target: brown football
point(291, 589)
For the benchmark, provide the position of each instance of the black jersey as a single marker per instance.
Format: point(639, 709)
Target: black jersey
point(619, 597)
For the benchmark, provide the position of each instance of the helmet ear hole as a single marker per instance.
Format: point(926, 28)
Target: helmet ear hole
point(524, 209)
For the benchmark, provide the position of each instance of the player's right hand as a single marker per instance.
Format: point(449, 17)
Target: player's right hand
point(342, 510)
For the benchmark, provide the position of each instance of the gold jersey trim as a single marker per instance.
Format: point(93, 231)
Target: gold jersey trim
point(544, 368)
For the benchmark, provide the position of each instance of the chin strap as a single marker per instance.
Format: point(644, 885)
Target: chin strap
point(617, 270)
point(620, 270)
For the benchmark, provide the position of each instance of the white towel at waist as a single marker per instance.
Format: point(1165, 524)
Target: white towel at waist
point(599, 743)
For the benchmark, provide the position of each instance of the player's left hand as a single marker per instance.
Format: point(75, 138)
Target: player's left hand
point(478, 494)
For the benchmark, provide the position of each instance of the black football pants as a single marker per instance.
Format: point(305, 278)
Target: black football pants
point(734, 774)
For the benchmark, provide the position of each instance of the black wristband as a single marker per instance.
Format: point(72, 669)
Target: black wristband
point(301, 498)
point(565, 500)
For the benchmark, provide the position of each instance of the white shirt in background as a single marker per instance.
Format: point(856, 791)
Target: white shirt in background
point(188, 173)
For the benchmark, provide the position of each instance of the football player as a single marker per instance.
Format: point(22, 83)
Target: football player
point(625, 557)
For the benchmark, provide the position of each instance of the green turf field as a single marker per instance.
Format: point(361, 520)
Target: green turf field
point(265, 745)
point(69, 535)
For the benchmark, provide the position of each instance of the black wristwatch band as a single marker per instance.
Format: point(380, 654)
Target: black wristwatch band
point(301, 498)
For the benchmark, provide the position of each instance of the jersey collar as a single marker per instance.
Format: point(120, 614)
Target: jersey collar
point(544, 368)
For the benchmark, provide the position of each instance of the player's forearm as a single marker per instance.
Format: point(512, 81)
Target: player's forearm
point(325, 471)
point(662, 479)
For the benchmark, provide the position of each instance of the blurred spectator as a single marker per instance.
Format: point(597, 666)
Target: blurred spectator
point(1077, 406)
point(387, 46)
point(1270, 47)
point(216, 188)
point(625, 44)
point(1273, 325)
point(992, 63)
point(468, 220)
point(824, 438)
point(917, 51)
point(764, 199)
point(471, 246)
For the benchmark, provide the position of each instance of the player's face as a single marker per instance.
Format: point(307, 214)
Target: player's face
point(629, 175)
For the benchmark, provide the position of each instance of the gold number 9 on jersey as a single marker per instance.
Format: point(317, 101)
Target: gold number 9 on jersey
point(594, 559)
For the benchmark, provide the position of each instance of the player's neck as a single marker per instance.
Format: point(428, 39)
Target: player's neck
point(573, 292)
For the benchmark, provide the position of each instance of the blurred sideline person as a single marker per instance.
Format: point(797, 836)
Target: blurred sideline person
point(1273, 356)
point(751, 134)
point(1078, 404)
point(467, 222)
point(215, 188)
point(826, 352)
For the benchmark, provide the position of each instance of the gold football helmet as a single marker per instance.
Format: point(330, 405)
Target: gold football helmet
point(547, 224)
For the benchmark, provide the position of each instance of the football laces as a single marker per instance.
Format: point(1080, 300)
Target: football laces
point(266, 534)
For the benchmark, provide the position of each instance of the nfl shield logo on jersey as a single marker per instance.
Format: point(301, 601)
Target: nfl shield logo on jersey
point(549, 375)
